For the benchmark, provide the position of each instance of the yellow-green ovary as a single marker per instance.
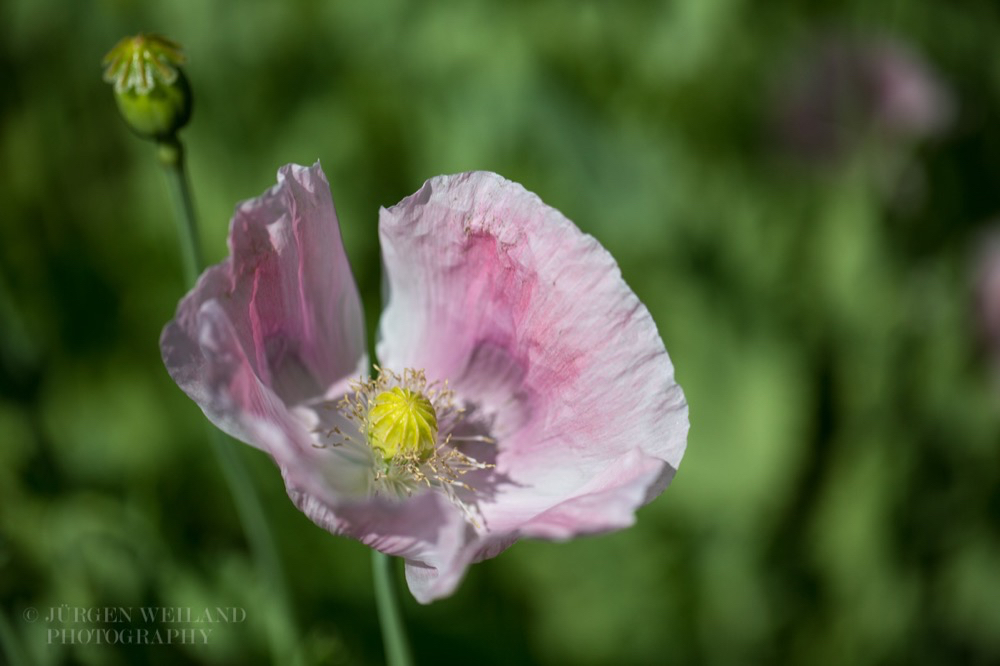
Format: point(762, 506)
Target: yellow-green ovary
point(402, 421)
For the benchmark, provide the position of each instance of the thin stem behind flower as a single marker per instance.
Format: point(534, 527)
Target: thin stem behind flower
point(397, 648)
point(248, 505)
point(171, 154)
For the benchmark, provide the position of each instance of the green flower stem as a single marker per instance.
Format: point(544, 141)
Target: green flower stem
point(171, 154)
point(397, 648)
point(248, 504)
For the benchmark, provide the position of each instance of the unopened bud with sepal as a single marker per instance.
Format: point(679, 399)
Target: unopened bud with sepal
point(151, 90)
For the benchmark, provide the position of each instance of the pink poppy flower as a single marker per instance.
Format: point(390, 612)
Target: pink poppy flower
point(844, 86)
point(523, 389)
point(986, 290)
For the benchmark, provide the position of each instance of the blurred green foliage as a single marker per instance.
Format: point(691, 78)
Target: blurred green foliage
point(840, 499)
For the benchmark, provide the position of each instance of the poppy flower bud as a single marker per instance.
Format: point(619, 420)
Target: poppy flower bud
point(151, 91)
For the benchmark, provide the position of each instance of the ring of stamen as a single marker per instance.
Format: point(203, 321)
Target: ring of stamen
point(406, 423)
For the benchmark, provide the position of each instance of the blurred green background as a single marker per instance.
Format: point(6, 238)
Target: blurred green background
point(796, 190)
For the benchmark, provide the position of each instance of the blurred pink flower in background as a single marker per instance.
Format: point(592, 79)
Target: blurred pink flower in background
point(523, 391)
point(844, 88)
point(986, 283)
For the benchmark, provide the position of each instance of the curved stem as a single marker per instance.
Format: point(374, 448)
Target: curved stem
point(397, 648)
point(248, 505)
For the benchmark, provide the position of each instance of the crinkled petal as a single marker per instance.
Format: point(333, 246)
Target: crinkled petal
point(531, 322)
point(212, 367)
point(279, 322)
point(428, 583)
point(276, 325)
point(425, 529)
